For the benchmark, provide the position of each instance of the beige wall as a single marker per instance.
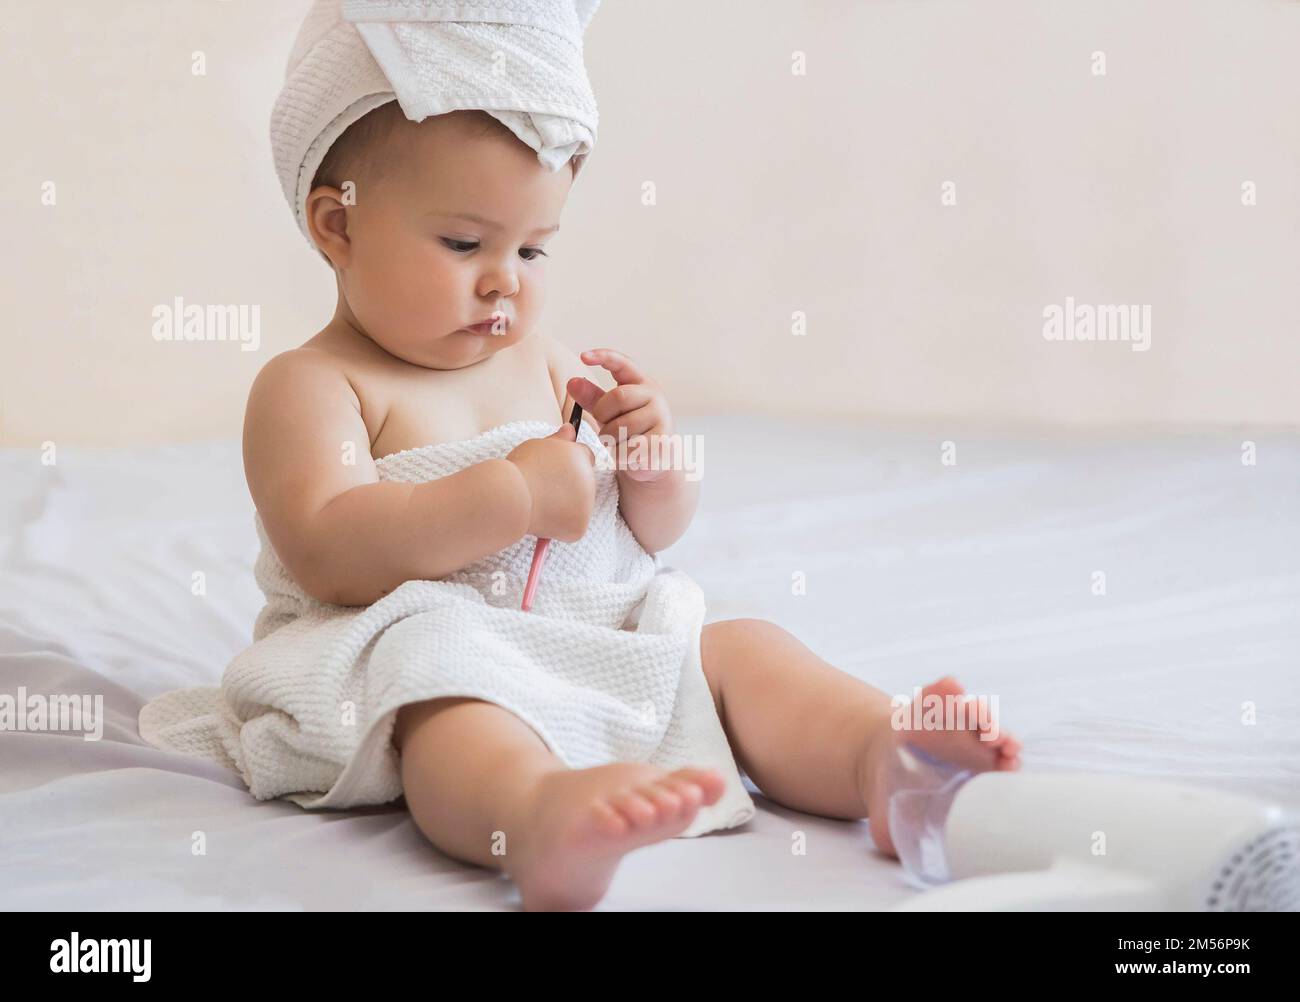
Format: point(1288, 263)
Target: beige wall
point(775, 192)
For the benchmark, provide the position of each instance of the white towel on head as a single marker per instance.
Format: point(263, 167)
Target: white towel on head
point(518, 60)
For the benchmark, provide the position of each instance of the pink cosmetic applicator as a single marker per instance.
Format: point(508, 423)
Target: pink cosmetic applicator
point(539, 551)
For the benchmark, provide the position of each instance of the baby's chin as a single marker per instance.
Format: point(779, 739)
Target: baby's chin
point(456, 350)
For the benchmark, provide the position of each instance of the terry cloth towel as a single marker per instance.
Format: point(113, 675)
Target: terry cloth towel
point(521, 61)
point(605, 668)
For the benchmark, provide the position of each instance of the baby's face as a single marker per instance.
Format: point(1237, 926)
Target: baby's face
point(418, 270)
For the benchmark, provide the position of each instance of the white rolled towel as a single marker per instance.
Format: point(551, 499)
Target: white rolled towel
point(521, 61)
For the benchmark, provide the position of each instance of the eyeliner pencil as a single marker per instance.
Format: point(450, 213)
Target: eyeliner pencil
point(539, 551)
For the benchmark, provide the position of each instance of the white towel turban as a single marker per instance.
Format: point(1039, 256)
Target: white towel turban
point(518, 60)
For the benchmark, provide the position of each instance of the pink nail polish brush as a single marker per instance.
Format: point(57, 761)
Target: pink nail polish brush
point(539, 551)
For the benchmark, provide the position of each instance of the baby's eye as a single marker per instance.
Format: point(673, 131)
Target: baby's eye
point(465, 246)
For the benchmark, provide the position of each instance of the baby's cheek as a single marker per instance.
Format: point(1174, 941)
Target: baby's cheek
point(419, 287)
point(534, 294)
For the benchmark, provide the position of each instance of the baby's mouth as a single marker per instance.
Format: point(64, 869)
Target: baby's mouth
point(500, 325)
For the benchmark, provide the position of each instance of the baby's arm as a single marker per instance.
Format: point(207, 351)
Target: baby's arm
point(343, 534)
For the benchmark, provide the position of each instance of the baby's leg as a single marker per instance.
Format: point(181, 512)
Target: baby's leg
point(816, 739)
point(483, 787)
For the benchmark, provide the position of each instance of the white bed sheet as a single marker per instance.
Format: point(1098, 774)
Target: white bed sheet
point(914, 569)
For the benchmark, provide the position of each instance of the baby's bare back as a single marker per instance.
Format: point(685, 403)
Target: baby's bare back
point(317, 418)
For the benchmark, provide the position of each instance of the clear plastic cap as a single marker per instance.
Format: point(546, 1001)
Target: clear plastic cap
point(923, 789)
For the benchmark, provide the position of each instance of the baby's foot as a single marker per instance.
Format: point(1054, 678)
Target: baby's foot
point(585, 820)
point(957, 746)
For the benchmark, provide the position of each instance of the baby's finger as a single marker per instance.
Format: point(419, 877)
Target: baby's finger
point(618, 403)
point(586, 393)
point(622, 368)
point(642, 420)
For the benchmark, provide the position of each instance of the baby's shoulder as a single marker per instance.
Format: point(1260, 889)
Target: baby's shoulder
point(299, 372)
point(560, 358)
point(297, 396)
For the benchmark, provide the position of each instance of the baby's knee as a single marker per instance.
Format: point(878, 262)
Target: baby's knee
point(750, 626)
point(742, 632)
point(415, 715)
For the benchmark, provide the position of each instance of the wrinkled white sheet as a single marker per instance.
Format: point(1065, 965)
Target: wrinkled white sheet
point(914, 569)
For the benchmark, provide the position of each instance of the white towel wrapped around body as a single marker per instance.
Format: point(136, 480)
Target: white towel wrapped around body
point(605, 667)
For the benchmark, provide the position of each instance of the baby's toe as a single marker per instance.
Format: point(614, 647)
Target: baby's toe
point(608, 821)
point(711, 783)
point(688, 790)
point(946, 686)
point(635, 808)
point(666, 802)
point(998, 744)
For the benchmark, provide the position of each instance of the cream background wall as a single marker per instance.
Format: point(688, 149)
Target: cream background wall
point(775, 193)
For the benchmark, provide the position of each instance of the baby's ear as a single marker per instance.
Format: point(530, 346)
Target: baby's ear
point(327, 221)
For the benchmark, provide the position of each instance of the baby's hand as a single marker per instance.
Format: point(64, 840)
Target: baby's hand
point(636, 408)
point(560, 474)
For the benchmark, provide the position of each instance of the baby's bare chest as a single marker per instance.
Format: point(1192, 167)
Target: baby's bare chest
point(409, 409)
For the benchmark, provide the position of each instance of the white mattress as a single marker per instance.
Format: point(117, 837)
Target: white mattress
point(914, 570)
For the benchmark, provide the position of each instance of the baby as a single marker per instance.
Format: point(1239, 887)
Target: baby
point(436, 232)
